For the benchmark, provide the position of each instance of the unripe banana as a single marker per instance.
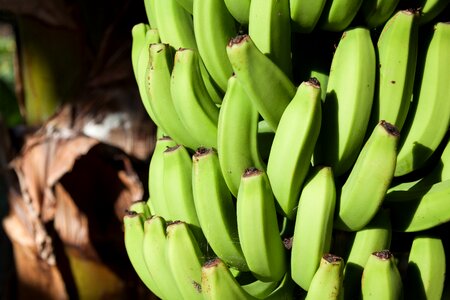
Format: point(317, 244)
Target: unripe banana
point(290, 159)
point(267, 86)
point(327, 281)
point(430, 9)
point(305, 14)
point(313, 225)
point(138, 33)
point(381, 278)
point(377, 12)
point(239, 9)
point(260, 289)
point(338, 14)
point(187, 5)
point(140, 207)
point(149, 6)
point(258, 227)
point(366, 186)
point(347, 106)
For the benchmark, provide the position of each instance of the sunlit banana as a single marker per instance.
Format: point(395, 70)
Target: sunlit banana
point(212, 40)
point(239, 9)
point(327, 281)
point(338, 14)
point(377, 12)
point(258, 228)
point(365, 188)
point(237, 136)
point(429, 119)
point(260, 289)
point(430, 9)
point(149, 6)
point(140, 207)
point(381, 278)
point(270, 29)
point(269, 89)
point(289, 157)
point(305, 14)
point(313, 225)
point(426, 269)
point(187, 5)
point(215, 208)
point(138, 33)
point(348, 101)
point(192, 102)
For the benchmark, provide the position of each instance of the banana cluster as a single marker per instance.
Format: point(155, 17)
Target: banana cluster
point(302, 149)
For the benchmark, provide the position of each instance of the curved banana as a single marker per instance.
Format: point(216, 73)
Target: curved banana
point(192, 102)
point(133, 239)
point(290, 158)
point(327, 280)
point(269, 89)
point(269, 27)
point(258, 227)
point(187, 5)
point(429, 119)
point(397, 55)
point(212, 40)
point(430, 9)
point(348, 101)
point(215, 208)
point(381, 277)
point(138, 32)
point(149, 6)
point(154, 250)
point(140, 207)
point(338, 14)
point(375, 236)
point(365, 188)
point(313, 225)
point(376, 12)
point(426, 270)
point(260, 289)
point(239, 9)
point(185, 259)
point(237, 135)
point(305, 14)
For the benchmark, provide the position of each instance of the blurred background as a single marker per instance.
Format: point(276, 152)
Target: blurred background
point(75, 144)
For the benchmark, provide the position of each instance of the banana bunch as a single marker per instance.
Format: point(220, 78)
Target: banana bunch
point(302, 150)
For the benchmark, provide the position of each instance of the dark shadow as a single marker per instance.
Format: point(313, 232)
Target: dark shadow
point(414, 285)
point(352, 281)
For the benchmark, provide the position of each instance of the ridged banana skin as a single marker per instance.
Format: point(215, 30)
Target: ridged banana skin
point(155, 177)
point(258, 228)
point(375, 236)
point(269, 89)
point(430, 9)
point(305, 14)
point(425, 274)
point(365, 188)
point(215, 208)
point(174, 24)
point(187, 5)
point(428, 122)
point(239, 9)
point(290, 158)
point(348, 103)
point(381, 278)
point(377, 12)
point(270, 29)
point(327, 281)
point(237, 135)
point(313, 225)
point(192, 102)
point(133, 239)
point(160, 98)
point(415, 211)
point(138, 32)
point(212, 40)
point(337, 15)
point(149, 6)
point(154, 249)
point(185, 259)
point(397, 56)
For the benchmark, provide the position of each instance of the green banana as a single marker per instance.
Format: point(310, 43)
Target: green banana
point(260, 289)
point(219, 283)
point(348, 102)
point(305, 14)
point(237, 135)
point(192, 102)
point(313, 225)
point(289, 158)
point(427, 123)
point(376, 12)
point(149, 6)
point(426, 270)
point(215, 208)
point(258, 228)
point(381, 278)
point(212, 40)
point(365, 188)
point(397, 56)
point(269, 27)
point(239, 9)
point(133, 239)
point(187, 5)
point(269, 89)
point(140, 207)
point(185, 259)
point(430, 9)
point(138, 43)
point(337, 15)
point(154, 247)
point(375, 236)
point(327, 281)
